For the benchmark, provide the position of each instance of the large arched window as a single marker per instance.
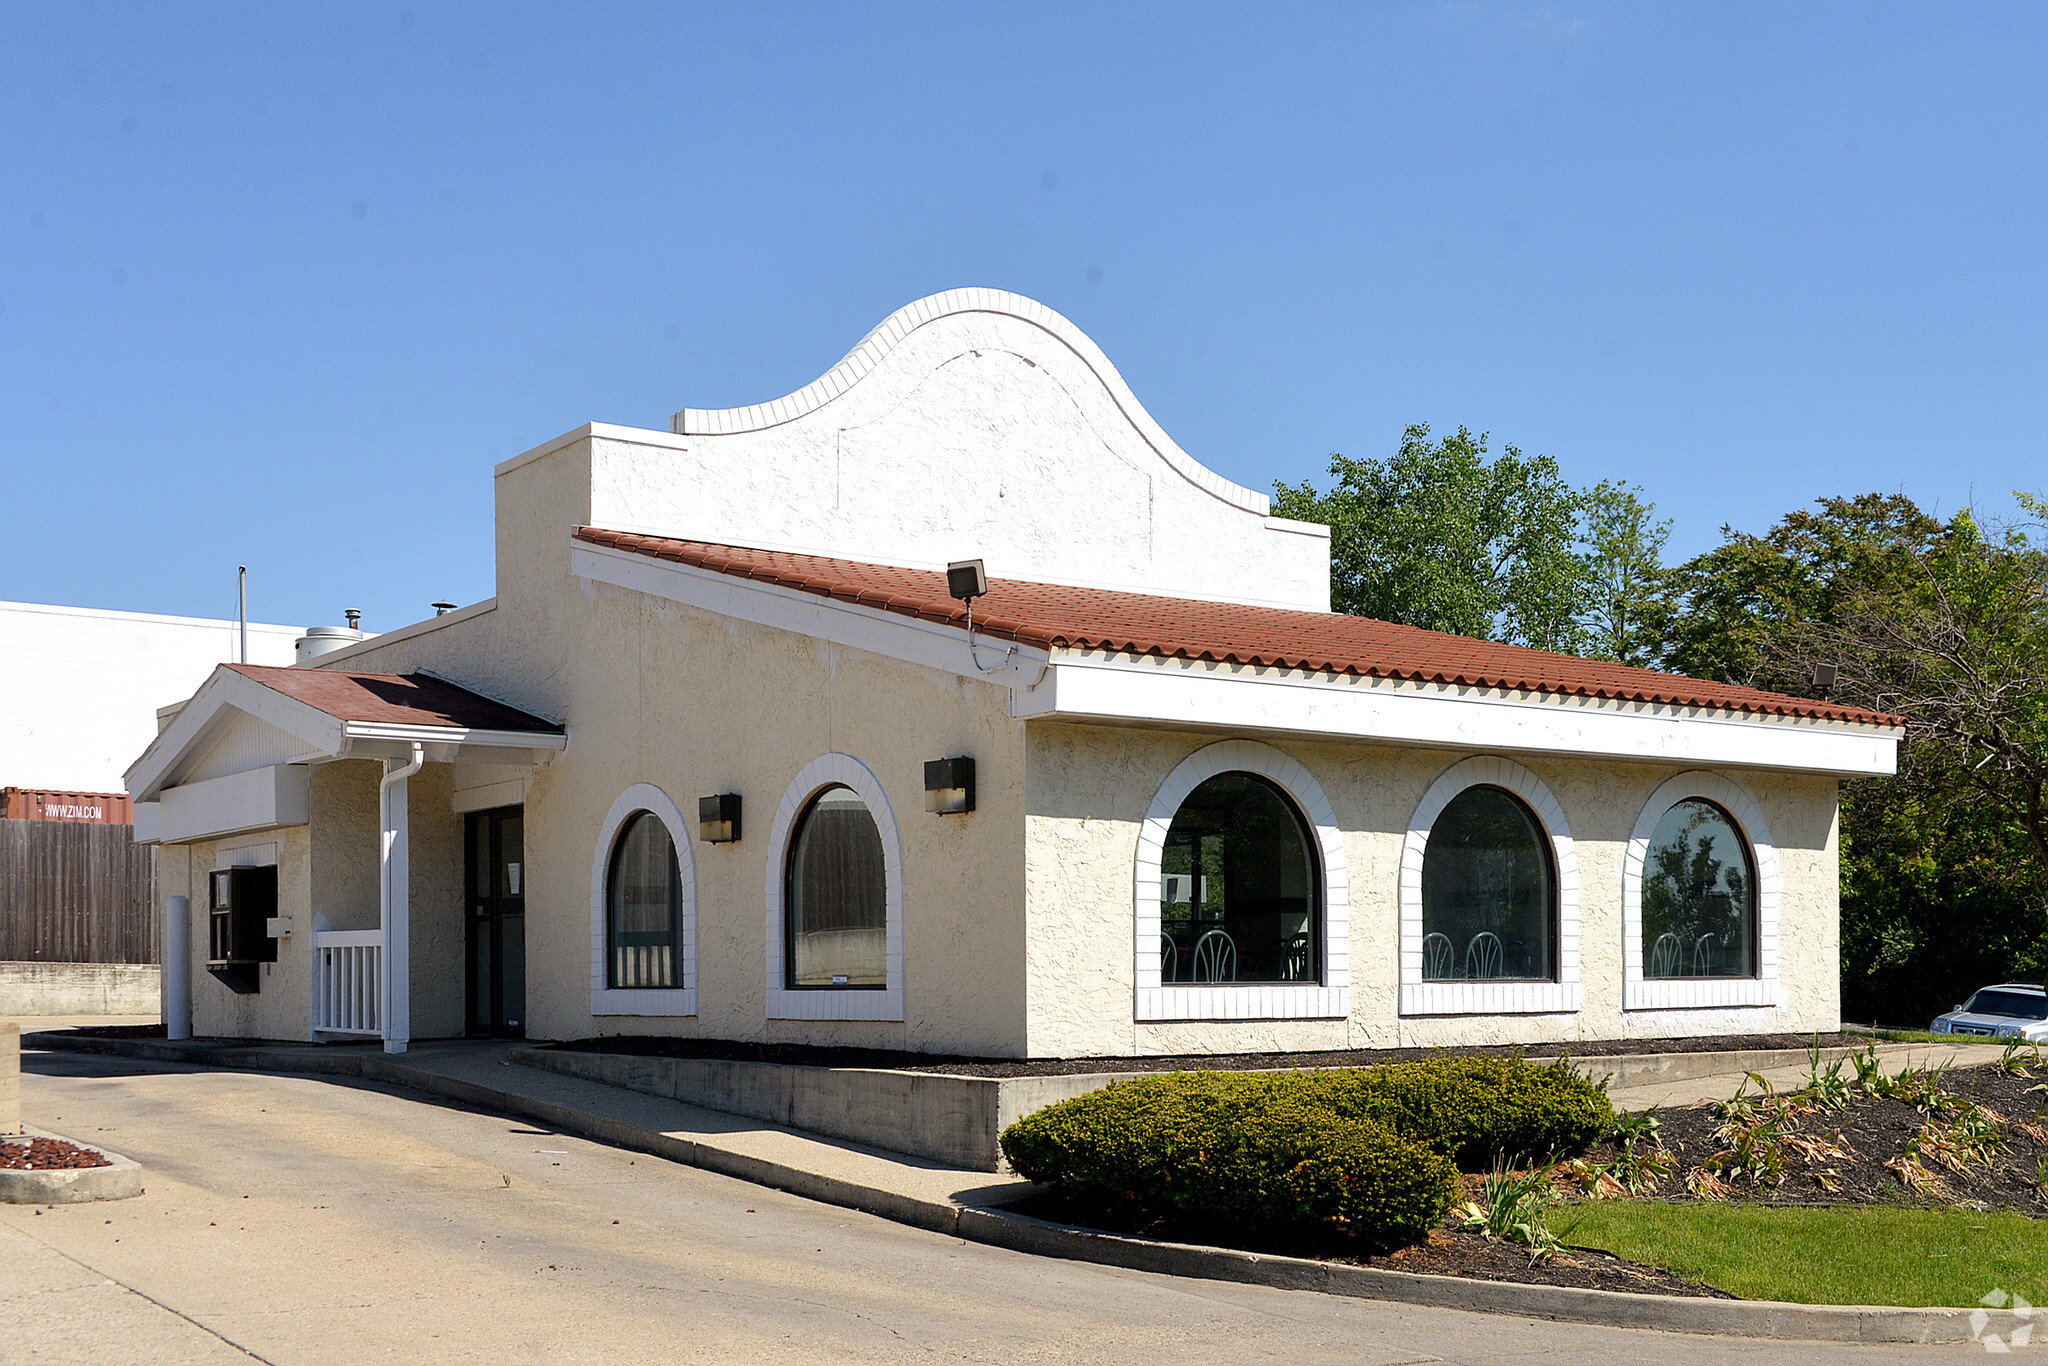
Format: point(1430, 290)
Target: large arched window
point(1490, 855)
point(1238, 887)
point(1701, 896)
point(1489, 892)
point(1698, 896)
point(836, 897)
point(1242, 906)
point(643, 908)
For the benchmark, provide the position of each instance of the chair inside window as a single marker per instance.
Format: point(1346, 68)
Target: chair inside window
point(1664, 955)
point(1483, 957)
point(1439, 958)
point(1215, 958)
point(1297, 965)
point(1169, 957)
point(1706, 955)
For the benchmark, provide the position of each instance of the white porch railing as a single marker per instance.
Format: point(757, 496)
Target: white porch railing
point(348, 982)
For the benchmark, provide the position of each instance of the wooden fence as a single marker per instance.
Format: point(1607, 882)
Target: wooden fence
point(77, 892)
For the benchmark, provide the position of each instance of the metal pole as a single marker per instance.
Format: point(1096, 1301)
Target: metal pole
point(178, 968)
point(242, 607)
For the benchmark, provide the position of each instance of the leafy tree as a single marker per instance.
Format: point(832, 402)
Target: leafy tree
point(1944, 868)
point(1439, 537)
point(1627, 615)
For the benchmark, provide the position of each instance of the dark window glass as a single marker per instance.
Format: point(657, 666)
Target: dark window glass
point(837, 902)
point(1699, 896)
point(1489, 894)
point(644, 907)
point(1238, 888)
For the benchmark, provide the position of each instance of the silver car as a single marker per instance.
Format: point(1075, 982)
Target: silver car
point(2011, 1010)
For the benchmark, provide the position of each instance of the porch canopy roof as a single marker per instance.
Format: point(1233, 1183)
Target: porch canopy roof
point(341, 714)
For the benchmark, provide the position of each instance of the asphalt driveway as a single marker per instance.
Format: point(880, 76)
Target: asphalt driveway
point(296, 1220)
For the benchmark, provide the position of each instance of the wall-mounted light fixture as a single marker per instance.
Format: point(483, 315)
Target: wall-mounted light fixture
point(718, 818)
point(949, 785)
point(966, 580)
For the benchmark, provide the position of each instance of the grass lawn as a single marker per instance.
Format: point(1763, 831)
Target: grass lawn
point(1922, 1036)
point(1824, 1256)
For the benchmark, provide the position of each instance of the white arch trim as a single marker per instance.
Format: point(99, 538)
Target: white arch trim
point(828, 1004)
point(1763, 990)
point(862, 360)
point(1277, 1001)
point(1490, 998)
point(605, 1000)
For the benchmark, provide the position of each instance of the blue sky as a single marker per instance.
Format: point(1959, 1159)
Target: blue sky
point(280, 284)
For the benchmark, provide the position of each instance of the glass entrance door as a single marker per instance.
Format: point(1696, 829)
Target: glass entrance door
point(497, 922)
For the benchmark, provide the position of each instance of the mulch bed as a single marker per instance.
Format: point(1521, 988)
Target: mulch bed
point(1872, 1131)
point(47, 1155)
point(1449, 1251)
point(808, 1055)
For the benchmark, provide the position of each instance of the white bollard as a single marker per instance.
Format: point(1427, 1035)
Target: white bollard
point(10, 1079)
point(177, 998)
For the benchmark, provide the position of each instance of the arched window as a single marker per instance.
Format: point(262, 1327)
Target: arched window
point(643, 908)
point(1238, 887)
point(1699, 896)
point(1489, 892)
point(836, 897)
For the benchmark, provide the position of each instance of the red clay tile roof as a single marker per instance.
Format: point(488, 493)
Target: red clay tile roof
point(1055, 617)
point(395, 699)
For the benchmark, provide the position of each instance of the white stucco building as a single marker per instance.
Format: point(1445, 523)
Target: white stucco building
point(692, 771)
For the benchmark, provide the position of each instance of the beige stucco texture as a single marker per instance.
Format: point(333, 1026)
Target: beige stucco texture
point(696, 704)
point(1089, 790)
point(327, 875)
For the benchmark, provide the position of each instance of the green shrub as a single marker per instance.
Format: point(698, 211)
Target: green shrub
point(1235, 1157)
point(1475, 1111)
point(1358, 1157)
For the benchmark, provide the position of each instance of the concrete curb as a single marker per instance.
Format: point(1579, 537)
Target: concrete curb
point(121, 1179)
point(1020, 1233)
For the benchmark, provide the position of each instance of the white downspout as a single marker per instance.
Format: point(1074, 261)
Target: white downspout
point(394, 895)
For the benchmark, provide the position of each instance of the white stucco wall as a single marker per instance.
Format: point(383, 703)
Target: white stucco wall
point(79, 687)
point(976, 425)
point(1089, 787)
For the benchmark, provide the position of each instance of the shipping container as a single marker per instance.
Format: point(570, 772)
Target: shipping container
point(96, 808)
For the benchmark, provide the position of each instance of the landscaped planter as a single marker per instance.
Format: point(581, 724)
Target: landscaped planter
point(958, 1120)
point(119, 1179)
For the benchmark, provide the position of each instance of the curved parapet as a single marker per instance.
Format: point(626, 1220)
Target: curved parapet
point(898, 327)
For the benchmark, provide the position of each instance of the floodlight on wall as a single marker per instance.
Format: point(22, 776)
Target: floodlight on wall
point(949, 786)
point(967, 580)
point(718, 818)
point(1824, 676)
